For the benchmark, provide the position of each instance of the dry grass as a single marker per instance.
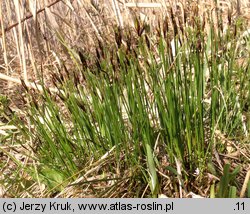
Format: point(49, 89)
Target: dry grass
point(31, 48)
point(29, 41)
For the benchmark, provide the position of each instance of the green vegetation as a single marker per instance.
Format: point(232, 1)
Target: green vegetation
point(146, 115)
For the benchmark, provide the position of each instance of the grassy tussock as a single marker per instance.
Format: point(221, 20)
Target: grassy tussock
point(159, 107)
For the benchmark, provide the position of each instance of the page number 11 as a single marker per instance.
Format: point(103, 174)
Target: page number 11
point(240, 206)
